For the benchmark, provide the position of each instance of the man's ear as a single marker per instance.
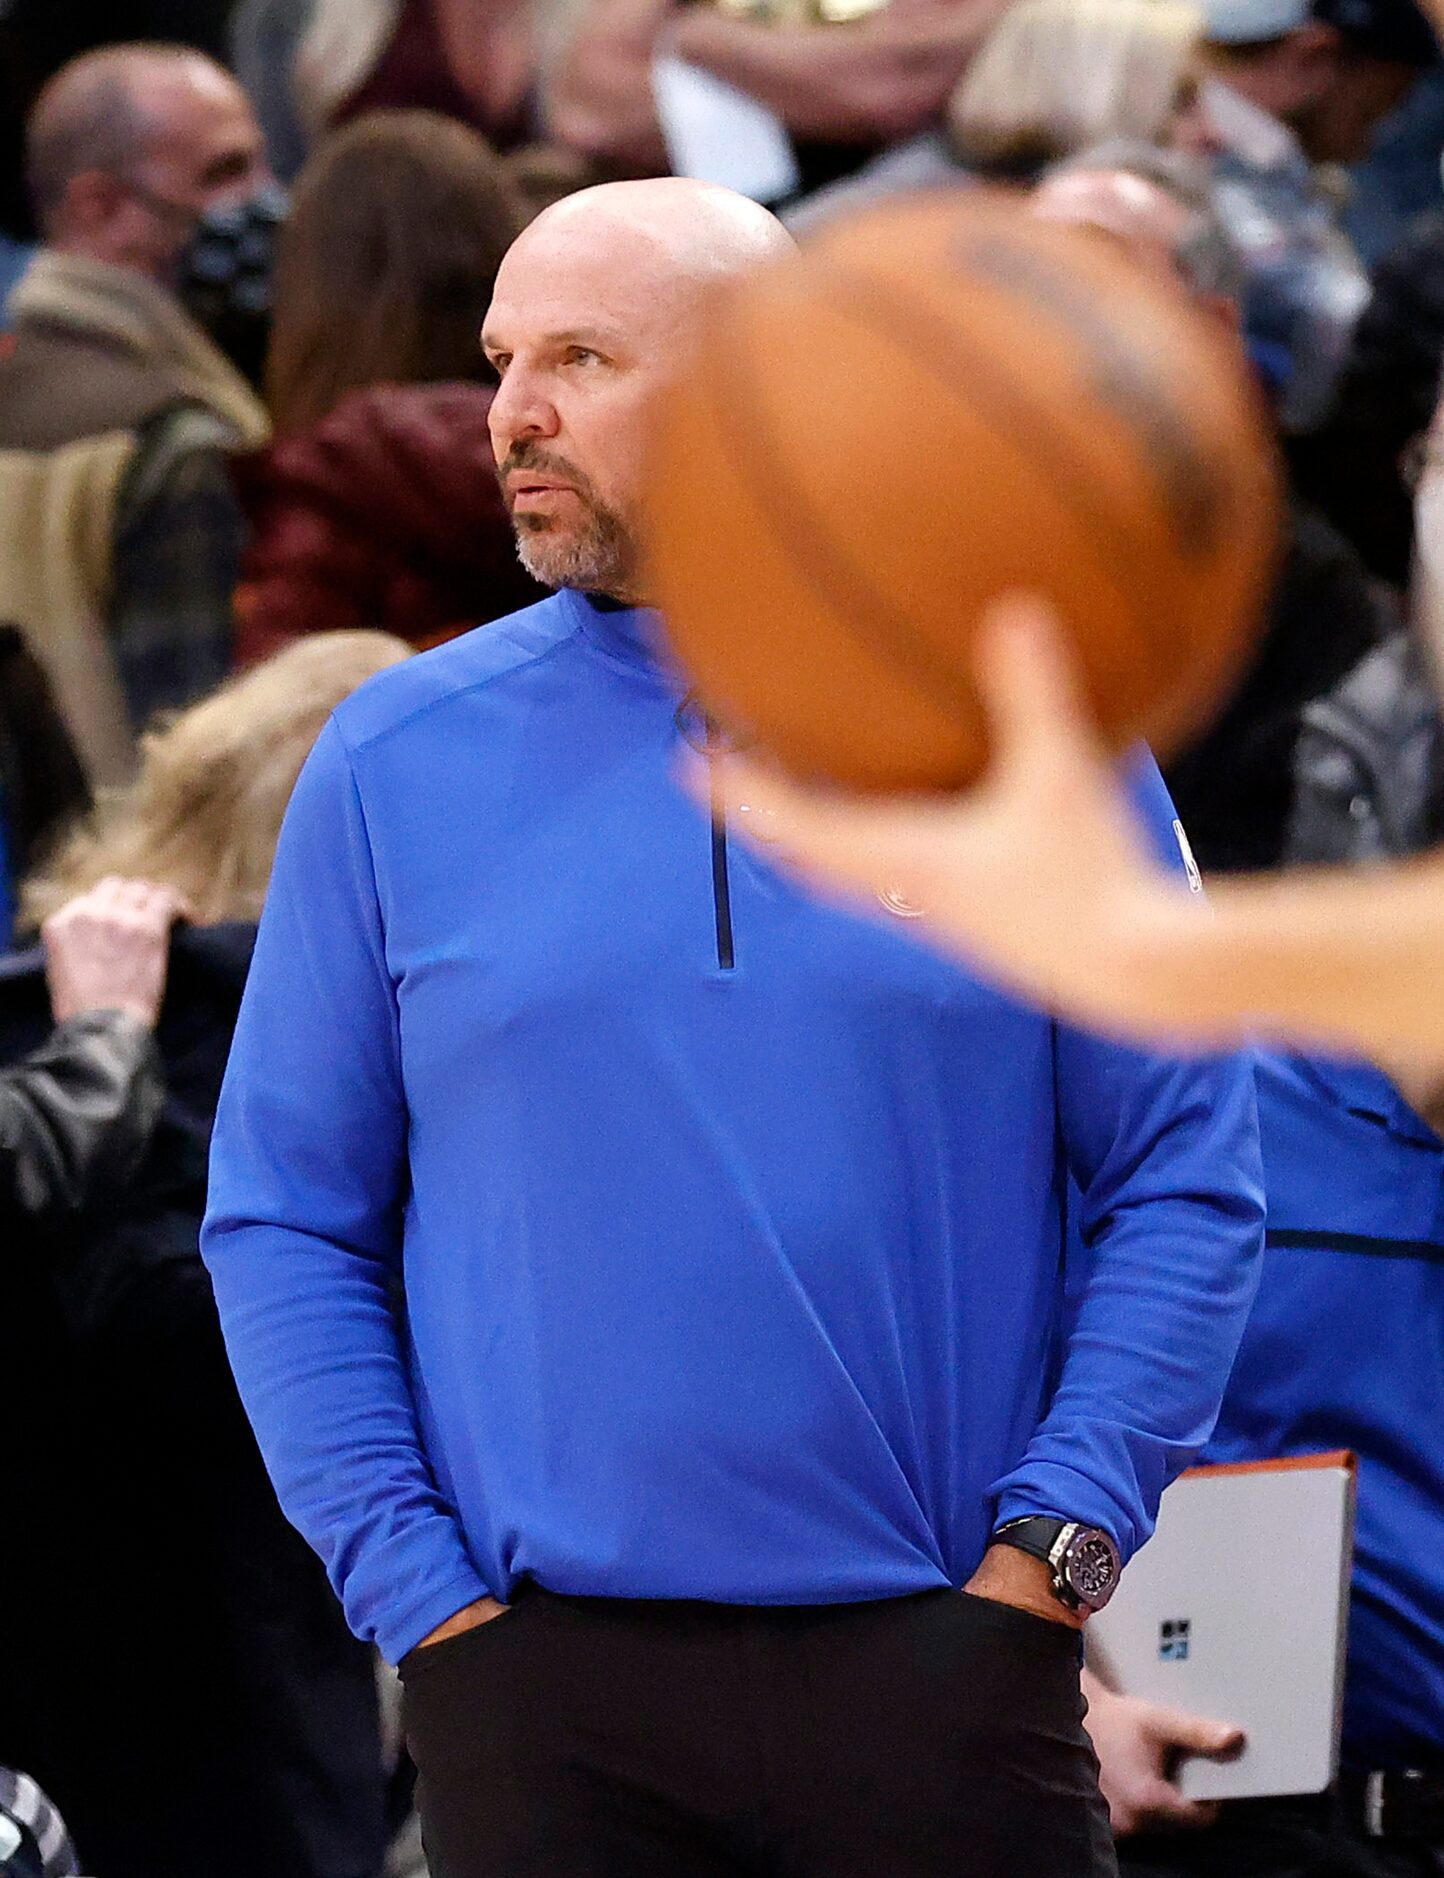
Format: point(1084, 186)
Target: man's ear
point(91, 202)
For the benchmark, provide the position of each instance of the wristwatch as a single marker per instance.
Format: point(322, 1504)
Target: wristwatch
point(1083, 1559)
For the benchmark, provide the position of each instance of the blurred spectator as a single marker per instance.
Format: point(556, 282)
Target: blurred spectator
point(1369, 766)
point(1360, 466)
point(1052, 78)
point(1234, 786)
point(474, 60)
point(37, 37)
point(265, 36)
point(845, 81)
point(1342, 1350)
point(1294, 87)
point(1369, 763)
point(209, 1714)
point(478, 61)
point(116, 410)
point(77, 1114)
point(1398, 178)
point(377, 500)
point(298, 59)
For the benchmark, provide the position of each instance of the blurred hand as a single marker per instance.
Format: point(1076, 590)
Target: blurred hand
point(1038, 872)
point(108, 950)
point(1138, 1744)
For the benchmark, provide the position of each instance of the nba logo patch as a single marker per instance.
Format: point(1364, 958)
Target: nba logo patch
point(1173, 1639)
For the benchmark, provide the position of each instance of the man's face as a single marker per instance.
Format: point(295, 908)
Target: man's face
point(206, 153)
point(1328, 91)
point(1341, 123)
point(582, 334)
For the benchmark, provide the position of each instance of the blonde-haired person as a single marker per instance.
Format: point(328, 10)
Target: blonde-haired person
point(1051, 79)
point(1055, 76)
point(375, 502)
point(204, 814)
point(207, 1711)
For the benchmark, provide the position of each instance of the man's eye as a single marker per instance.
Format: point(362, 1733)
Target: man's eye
point(499, 363)
point(582, 355)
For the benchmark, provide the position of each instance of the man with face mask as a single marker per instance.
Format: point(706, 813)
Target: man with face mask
point(116, 408)
point(1295, 89)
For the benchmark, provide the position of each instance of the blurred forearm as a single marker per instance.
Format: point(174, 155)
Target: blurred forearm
point(875, 81)
point(870, 82)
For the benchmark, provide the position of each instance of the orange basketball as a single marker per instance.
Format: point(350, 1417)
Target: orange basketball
point(937, 404)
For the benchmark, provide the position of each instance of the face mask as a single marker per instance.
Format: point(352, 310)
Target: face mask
point(224, 274)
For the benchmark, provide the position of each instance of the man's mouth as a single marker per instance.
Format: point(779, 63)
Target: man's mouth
point(539, 498)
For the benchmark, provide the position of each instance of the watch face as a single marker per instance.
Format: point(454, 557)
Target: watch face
point(1090, 1568)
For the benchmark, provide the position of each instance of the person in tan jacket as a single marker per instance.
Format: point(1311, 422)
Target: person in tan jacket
point(116, 410)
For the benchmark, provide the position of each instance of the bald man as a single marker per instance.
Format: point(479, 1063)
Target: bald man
point(122, 534)
point(645, 1283)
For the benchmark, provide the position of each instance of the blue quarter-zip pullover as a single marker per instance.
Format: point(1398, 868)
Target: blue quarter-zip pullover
point(729, 1225)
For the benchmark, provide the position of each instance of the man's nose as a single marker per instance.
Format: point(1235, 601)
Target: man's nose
point(519, 410)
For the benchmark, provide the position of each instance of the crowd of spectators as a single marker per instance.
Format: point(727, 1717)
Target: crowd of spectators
point(245, 252)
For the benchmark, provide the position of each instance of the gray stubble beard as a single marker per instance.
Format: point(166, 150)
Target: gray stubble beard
point(600, 558)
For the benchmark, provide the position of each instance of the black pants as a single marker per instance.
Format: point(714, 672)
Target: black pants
point(1305, 1838)
point(937, 1736)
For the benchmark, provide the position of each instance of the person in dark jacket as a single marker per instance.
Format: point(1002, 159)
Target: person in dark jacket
point(1360, 467)
point(77, 1113)
point(1235, 785)
point(1369, 763)
point(376, 503)
point(183, 1686)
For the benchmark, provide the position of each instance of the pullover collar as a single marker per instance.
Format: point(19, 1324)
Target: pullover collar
point(633, 634)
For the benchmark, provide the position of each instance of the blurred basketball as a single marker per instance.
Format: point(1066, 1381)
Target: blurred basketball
point(938, 404)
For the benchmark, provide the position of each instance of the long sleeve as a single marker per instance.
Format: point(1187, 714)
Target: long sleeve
point(303, 1237)
point(77, 1114)
point(1164, 1153)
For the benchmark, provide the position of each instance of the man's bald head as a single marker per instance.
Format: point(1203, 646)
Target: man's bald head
point(595, 308)
point(684, 230)
point(161, 123)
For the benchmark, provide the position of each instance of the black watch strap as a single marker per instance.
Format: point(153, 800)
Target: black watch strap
point(1036, 1534)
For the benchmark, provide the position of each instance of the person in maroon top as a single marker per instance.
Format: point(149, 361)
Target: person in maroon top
point(470, 61)
point(376, 502)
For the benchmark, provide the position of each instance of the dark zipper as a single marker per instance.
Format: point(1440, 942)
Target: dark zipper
point(709, 740)
point(721, 878)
